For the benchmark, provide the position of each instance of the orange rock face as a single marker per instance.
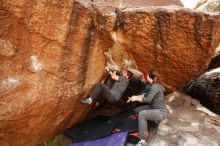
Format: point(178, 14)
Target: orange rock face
point(49, 59)
point(178, 43)
point(52, 55)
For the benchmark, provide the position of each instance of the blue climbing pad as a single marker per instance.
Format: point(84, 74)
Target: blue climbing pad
point(116, 139)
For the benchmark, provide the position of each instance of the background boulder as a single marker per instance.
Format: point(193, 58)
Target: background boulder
point(206, 88)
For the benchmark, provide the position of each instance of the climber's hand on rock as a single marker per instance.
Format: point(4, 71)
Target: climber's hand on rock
point(107, 69)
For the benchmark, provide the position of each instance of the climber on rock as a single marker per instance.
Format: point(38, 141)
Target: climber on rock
point(144, 89)
point(155, 111)
point(114, 94)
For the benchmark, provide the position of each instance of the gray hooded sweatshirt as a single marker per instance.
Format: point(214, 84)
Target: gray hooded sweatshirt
point(155, 97)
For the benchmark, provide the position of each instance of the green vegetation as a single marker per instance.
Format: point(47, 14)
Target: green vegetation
point(53, 142)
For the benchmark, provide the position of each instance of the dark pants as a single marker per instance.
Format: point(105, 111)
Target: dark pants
point(103, 91)
point(151, 115)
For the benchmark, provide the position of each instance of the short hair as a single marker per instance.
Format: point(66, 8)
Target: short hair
point(152, 74)
point(129, 73)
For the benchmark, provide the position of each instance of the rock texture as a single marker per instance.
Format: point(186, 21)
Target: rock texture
point(207, 88)
point(178, 43)
point(51, 55)
point(189, 124)
point(49, 59)
point(215, 62)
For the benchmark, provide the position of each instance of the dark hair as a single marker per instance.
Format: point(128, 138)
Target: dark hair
point(153, 75)
point(129, 73)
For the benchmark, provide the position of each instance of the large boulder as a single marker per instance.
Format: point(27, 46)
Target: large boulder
point(178, 43)
point(206, 88)
point(51, 55)
point(49, 59)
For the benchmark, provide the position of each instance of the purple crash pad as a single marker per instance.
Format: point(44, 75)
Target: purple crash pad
point(116, 139)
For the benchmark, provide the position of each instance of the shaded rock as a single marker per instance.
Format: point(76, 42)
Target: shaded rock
point(58, 57)
point(215, 62)
point(206, 88)
point(189, 124)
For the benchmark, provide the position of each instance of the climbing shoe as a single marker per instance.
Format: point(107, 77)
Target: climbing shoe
point(87, 100)
point(141, 143)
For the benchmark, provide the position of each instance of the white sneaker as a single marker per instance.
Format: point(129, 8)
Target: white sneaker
point(87, 100)
point(141, 143)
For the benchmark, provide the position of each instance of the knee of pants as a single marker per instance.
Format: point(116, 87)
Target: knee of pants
point(141, 115)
